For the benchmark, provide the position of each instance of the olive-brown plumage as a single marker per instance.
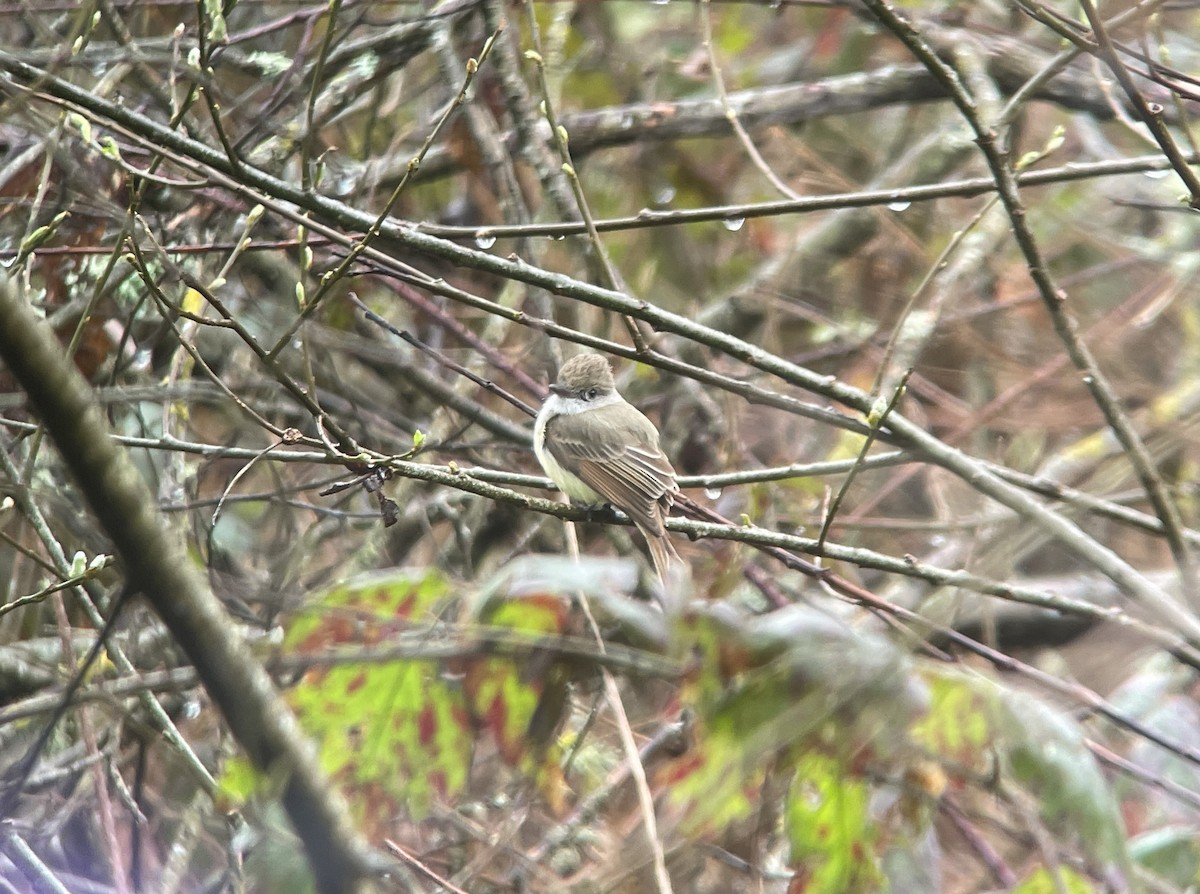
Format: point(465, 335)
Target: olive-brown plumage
point(600, 449)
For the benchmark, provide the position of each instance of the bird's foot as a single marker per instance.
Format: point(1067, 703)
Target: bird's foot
point(596, 512)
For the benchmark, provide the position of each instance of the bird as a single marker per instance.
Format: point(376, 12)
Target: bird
point(598, 448)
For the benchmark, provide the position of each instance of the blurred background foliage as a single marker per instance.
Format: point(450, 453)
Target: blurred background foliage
point(992, 712)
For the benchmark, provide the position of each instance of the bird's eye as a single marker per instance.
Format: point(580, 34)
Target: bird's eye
point(591, 394)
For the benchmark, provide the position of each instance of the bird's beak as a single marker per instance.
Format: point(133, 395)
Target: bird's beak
point(560, 390)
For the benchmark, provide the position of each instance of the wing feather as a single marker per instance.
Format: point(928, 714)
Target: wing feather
point(631, 473)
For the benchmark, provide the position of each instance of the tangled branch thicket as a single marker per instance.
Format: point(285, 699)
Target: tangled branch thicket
point(911, 299)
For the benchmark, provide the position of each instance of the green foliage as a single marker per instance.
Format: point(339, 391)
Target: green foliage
point(841, 713)
point(1061, 880)
point(973, 721)
point(238, 783)
point(830, 827)
point(522, 703)
point(799, 690)
point(391, 733)
point(504, 696)
point(1172, 853)
point(394, 733)
point(1048, 757)
point(734, 28)
point(956, 726)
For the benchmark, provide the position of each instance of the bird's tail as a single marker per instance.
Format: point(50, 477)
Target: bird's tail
point(662, 553)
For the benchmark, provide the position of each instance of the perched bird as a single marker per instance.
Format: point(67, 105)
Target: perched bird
point(599, 449)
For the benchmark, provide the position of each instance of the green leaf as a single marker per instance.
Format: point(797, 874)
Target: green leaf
point(1064, 881)
point(973, 720)
point(1172, 853)
point(238, 783)
point(271, 65)
point(505, 696)
point(1047, 754)
point(82, 124)
point(395, 734)
point(957, 725)
point(764, 690)
point(830, 828)
point(218, 30)
point(40, 236)
point(522, 702)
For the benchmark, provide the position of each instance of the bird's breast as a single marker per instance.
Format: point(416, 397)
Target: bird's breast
point(566, 480)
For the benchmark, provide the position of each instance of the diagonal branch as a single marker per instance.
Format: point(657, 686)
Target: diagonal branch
point(261, 187)
point(156, 566)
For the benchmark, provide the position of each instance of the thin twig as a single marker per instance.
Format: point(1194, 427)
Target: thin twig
point(731, 114)
point(331, 278)
point(1150, 113)
point(263, 188)
point(612, 276)
point(443, 360)
point(1054, 299)
point(877, 421)
point(420, 867)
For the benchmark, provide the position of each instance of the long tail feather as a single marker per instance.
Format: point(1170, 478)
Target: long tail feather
point(661, 552)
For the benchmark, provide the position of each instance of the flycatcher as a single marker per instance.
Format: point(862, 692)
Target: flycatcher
point(599, 449)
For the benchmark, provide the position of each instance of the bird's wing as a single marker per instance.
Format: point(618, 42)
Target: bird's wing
point(633, 474)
